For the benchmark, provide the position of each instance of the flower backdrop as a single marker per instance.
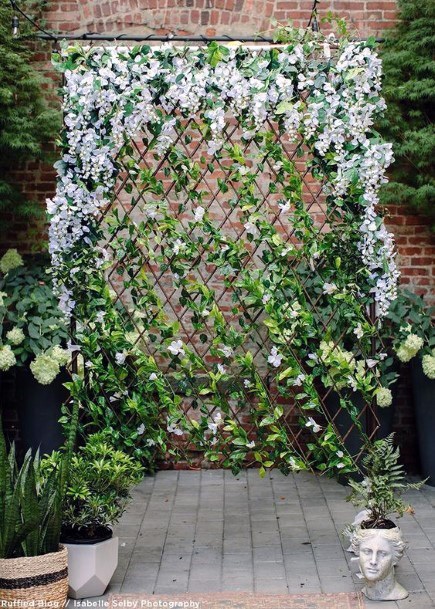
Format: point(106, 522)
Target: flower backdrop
point(215, 237)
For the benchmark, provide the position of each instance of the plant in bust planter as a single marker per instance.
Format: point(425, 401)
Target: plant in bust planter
point(414, 331)
point(375, 539)
point(32, 340)
point(96, 496)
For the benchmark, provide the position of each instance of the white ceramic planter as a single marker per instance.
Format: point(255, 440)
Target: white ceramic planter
point(91, 567)
point(378, 552)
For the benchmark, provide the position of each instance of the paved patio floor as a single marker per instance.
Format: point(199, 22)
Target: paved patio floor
point(195, 531)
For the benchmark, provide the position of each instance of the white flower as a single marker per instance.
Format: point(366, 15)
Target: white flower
point(266, 298)
point(284, 207)
point(409, 348)
point(384, 397)
point(213, 428)
point(358, 331)
point(251, 229)
point(299, 380)
point(251, 444)
point(62, 356)
point(177, 246)
point(221, 368)
point(218, 418)
point(227, 351)
point(174, 429)
point(150, 442)
point(428, 363)
point(199, 214)
point(120, 358)
point(275, 358)
point(247, 383)
point(44, 368)
point(371, 363)
point(7, 357)
point(71, 347)
point(312, 423)
point(15, 336)
point(340, 465)
point(176, 347)
point(99, 317)
point(140, 430)
point(152, 376)
point(329, 288)
point(340, 454)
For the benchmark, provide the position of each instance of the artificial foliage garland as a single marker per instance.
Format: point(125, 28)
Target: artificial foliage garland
point(329, 100)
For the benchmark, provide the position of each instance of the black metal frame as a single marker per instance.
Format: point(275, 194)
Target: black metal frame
point(94, 36)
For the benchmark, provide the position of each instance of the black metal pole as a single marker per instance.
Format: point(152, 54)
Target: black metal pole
point(371, 419)
point(56, 37)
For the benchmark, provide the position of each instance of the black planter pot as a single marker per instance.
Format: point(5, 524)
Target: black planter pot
point(343, 420)
point(423, 390)
point(102, 533)
point(39, 411)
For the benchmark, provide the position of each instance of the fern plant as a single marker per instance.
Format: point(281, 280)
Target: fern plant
point(380, 491)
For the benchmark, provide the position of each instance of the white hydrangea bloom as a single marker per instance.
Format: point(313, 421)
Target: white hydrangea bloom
point(15, 336)
point(7, 357)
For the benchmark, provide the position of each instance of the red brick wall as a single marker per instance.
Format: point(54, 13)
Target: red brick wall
point(210, 17)
point(416, 246)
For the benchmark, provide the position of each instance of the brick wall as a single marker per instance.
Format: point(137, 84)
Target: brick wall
point(416, 246)
point(210, 17)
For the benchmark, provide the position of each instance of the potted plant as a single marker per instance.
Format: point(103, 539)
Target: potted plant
point(375, 538)
point(32, 340)
point(33, 565)
point(96, 496)
point(415, 343)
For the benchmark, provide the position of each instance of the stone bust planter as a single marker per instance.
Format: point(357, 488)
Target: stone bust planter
point(378, 552)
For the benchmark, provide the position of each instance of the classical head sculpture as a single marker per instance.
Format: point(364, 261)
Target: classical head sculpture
point(379, 551)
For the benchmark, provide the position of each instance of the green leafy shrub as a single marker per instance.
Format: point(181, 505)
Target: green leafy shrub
point(26, 120)
point(31, 325)
point(99, 486)
point(409, 89)
point(413, 331)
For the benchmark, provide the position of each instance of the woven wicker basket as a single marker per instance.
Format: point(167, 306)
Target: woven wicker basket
point(35, 581)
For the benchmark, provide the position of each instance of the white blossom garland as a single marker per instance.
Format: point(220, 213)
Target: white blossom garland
point(111, 94)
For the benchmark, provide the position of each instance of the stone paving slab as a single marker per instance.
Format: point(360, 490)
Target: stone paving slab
point(241, 601)
point(211, 532)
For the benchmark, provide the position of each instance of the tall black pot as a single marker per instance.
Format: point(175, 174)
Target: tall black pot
point(423, 390)
point(39, 411)
point(343, 421)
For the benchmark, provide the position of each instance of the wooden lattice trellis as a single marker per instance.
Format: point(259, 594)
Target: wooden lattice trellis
point(213, 174)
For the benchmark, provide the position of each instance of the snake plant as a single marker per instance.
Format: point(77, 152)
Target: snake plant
point(31, 503)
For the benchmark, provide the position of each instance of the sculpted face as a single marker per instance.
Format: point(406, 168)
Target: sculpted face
point(376, 558)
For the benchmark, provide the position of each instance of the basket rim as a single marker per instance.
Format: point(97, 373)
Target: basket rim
point(30, 566)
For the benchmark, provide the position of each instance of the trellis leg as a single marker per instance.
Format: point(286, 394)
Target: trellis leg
point(371, 419)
